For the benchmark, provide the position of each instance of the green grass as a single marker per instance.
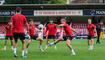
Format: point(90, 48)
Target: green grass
point(62, 52)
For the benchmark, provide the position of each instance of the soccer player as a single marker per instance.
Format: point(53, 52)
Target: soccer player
point(51, 29)
point(40, 36)
point(9, 35)
point(18, 21)
point(66, 35)
point(32, 35)
point(98, 29)
point(91, 30)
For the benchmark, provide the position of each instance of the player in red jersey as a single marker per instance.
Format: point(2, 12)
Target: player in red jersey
point(65, 35)
point(91, 31)
point(8, 35)
point(51, 29)
point(18, 21)
point(32, 35)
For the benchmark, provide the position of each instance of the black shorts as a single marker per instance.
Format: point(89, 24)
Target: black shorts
point(68, 38)
point(20, 36)
point(9, 37)
point(64, 38)
point(57, 34)
point(51, 37)
point(90, 37)
point(33, 37)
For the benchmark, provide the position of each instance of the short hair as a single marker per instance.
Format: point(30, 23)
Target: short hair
point(18, 9)
point(90, 19)
point(51, 20)
point(30, 19)
point(63, 19)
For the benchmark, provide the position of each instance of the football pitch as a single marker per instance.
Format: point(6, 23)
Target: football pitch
point(62, 53)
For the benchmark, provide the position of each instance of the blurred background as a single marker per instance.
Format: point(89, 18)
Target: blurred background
point(50, 1)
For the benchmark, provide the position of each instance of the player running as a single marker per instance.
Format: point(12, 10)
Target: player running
point(65, 34)
point(18, 21)
point(51, 29)
point(9, 35)
point(91, 30)
point(32, 35)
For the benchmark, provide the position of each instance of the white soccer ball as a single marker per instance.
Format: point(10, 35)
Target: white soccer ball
point(40, 26)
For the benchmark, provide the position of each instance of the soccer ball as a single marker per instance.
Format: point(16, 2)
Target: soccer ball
point(40, 26)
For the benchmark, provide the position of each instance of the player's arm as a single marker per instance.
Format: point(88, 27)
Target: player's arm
point(46, 28)
point(55, 29)
point(4, 32)
point(25, 20)
point(74, 30)
point(27, 28)
point(61, 25)
point(10, 26)
point(95, 32)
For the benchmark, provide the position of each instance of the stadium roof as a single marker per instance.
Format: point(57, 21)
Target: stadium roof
point(52, 6)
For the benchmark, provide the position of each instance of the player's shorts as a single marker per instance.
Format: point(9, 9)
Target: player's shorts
point(90, 37)
point(64, 38)
point(9, 37)
point(33, 37)
point(51, 37)
point(68, 38)
point(20, 36)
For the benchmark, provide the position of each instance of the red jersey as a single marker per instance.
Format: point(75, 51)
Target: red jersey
point(7, 31)
point(18, 21)
point(90, 28)
point(51, 28)
point(32, 30)
point(62, 32)
point(67, 30)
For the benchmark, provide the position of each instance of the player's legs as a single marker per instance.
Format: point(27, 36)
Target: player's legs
point(92, 42)
point(56, 41)
point(23, 47)
point(6, 40)
point(68, 44)
point(12, 44)
point(70, 47)
point(15, 47)
point(29, 41)
point(54, 44)
point(15, 35)
point(11, 39)
point(22, 38)
point(46, 43)
point(98, 38)
point(88, 42)
point(90, 38)
point(41, 41)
